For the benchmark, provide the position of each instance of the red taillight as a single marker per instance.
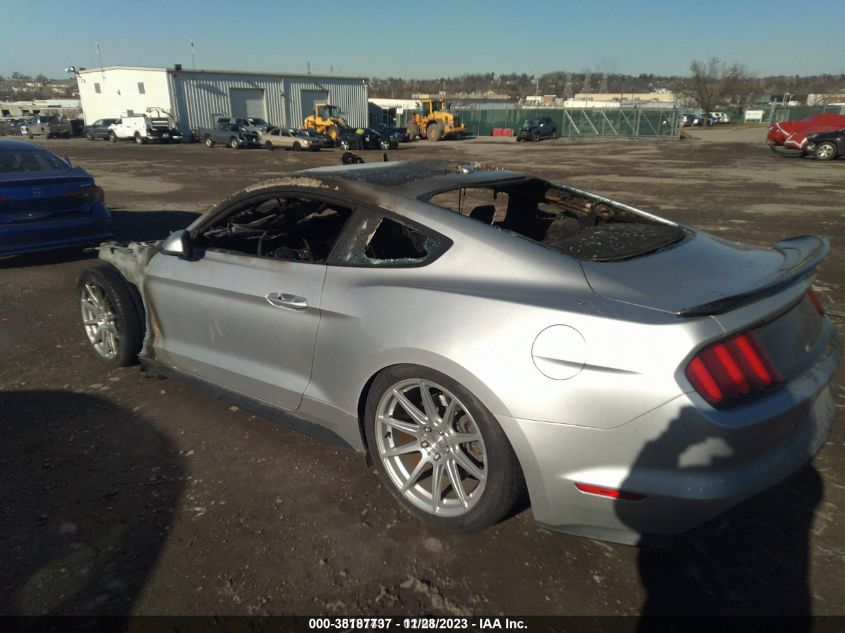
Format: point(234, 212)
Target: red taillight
point(733, 370)
point(92, 193)
point(817, 303)
point(613, 493)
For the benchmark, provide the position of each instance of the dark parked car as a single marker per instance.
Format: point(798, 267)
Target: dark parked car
point(536, 129)
point(230, 134)
point(98, 129)
point(46, 203)
point(400, 134)
point(347, 138)
point(254, 124)
point(320, 140)
point(691, 119)
point(10, 126)
point(826, 145)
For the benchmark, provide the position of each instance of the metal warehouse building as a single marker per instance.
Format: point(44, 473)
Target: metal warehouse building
point(195, 98)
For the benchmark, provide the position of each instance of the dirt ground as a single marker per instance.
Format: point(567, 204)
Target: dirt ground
point(128, 494)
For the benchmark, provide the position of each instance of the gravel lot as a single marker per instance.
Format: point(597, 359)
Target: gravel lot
point(128, 494)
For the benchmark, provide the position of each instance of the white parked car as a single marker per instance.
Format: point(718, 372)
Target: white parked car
point(144, 129)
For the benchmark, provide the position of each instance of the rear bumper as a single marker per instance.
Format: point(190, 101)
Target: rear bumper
point(691, 464)
point(48, 235)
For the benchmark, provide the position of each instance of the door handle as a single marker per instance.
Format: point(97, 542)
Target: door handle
point(281, 300)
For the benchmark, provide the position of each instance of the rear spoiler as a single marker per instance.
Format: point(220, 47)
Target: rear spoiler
point(801, 256)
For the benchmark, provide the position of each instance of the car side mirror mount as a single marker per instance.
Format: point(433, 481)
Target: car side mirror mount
point(67, 160)
point(177, 243)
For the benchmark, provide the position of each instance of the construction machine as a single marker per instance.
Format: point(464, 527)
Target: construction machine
point(325, 120)
point(435, 121)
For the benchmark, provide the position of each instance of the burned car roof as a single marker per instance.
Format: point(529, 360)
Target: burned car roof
point(415, 177)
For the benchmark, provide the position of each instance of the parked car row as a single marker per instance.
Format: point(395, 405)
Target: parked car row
point(243, 133)
point(711, 118)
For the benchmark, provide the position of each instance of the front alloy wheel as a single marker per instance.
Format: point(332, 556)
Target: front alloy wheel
point(825, 151)
point(100, 321)
point(110, 315)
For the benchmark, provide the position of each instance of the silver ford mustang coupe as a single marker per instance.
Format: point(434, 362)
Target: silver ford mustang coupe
point(477, 333)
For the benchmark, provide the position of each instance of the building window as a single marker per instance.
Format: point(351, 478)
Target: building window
point(141, 88)
point(97, 88)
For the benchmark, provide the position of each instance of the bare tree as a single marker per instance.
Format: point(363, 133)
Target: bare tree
point(714, 83)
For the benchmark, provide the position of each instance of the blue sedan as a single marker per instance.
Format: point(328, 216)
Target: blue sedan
point(46, 203)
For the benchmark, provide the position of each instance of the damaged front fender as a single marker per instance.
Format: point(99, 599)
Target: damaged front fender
point(131, 260)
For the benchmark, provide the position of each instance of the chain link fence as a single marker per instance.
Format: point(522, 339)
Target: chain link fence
point(579, 122)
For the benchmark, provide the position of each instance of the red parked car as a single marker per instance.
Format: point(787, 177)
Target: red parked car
point(792, 135)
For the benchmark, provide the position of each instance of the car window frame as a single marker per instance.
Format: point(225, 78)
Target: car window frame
point(353, 227)
point(223, 213)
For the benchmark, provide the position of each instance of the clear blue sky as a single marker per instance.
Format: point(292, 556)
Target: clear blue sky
point(425, 39)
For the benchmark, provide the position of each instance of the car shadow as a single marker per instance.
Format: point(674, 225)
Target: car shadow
point(751, 560)
point(91, 490)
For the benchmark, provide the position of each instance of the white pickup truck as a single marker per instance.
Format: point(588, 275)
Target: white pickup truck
point(144, 129)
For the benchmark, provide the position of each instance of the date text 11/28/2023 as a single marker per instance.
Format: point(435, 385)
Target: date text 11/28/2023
point(417, 624)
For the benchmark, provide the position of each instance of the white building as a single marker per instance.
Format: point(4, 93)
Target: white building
point(391, 111)
point(195, 98)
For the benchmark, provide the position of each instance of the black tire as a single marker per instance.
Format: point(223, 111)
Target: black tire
point(139, 140)
point(209, 142)
point(504, 486)
point(433, 132)
point(113, 137)
point(233, 143)
point(344, 144)
point(89, 136)
point(269, 146)
point(297, 147)
point(413, 131)
point(384, 144)
point(825, 150)
point(535, 137)
point(125, 308)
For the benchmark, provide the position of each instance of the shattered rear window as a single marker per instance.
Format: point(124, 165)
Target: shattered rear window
point(568, 222)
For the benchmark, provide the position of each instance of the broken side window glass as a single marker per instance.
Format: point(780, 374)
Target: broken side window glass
point(386, 242)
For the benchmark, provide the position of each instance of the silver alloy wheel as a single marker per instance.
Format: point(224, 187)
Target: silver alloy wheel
point(431, 447)
point(100, 321)
point(825, 151)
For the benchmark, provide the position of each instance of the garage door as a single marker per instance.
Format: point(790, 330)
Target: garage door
point(247, 102)
point(309, 97)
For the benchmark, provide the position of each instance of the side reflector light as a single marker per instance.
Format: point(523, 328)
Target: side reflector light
point(613, 493)
point(732, 370)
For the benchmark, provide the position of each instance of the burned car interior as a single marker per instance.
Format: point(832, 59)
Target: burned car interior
point(304, 230)
point(563, 220)
point(280, 228)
